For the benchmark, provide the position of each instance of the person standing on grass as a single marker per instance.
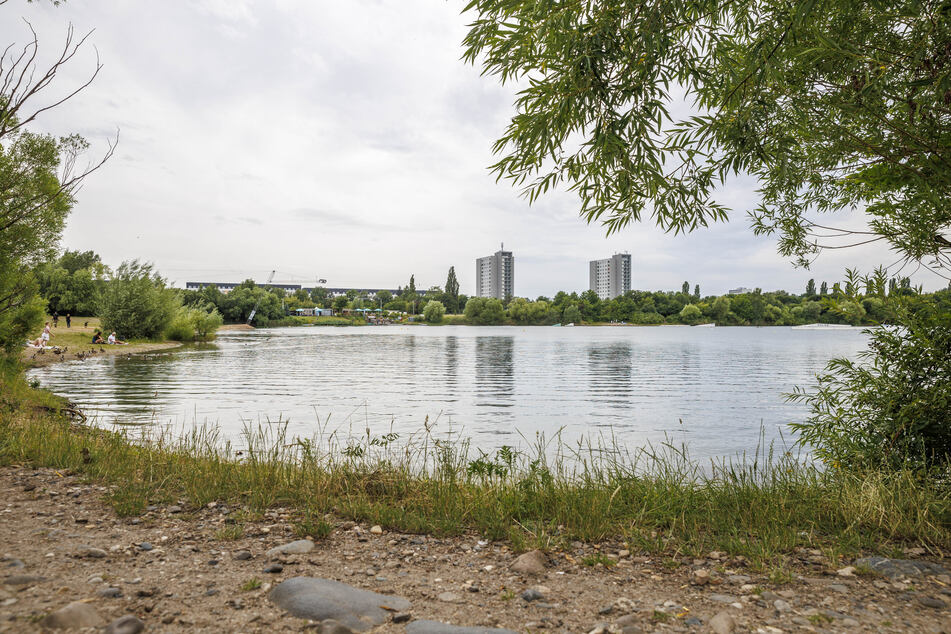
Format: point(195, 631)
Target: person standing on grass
point(55, 319)
point(68, 320)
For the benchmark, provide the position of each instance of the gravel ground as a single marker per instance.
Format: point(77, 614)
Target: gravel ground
point(170, 568)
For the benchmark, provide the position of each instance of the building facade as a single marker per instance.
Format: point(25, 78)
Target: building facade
point(611, 276)
point(495, 275)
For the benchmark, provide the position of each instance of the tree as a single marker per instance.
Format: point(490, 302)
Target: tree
point(691, 314)
point(452, 291)
point(828, 105)
point(484, 311)
point(685, 289)
point(824, 289)
point(136, 302)
point(810, 288)
point(434, 311)
point(572, 315)
point(696, 292)
point(39, 178)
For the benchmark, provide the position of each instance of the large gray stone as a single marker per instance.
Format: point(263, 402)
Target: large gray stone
point(128, 624)
point(74, 616)
point(893, 568)
point(321, 599)
point(298, 547)
point(531, 563)
point(435, 627)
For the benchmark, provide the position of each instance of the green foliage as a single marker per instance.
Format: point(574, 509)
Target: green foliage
point(691, 314)
point(434, 311)
point(136, 302)
point(828, 105)
point(452, 291)
point(484, 311)
point(572, 315)
point(194, 323)
point(522, 311)
point(892, 406)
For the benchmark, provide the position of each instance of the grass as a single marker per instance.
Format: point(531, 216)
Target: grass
point(230, 532)
point(656, 500)
point(251, 584)
point(599, 558)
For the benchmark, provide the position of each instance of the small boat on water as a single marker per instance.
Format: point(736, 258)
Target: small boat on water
point(569, 324)
point(823, 327)
point(704, 325)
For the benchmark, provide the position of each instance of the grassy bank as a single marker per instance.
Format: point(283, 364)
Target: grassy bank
point(653, 501)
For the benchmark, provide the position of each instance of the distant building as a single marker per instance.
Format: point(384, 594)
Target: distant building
point(495, 275)
point(227, 287)
point(739, 291)
point(611, 276)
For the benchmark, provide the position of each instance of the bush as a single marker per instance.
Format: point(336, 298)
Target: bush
point(691, 314)
point(892, 407)
point(194, 323)
point(433, 311)
point(136, 303)
point(484, 311)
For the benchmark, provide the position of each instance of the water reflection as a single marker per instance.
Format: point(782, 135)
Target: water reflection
point(609, 374)
point(725, 384)
point(494, 371)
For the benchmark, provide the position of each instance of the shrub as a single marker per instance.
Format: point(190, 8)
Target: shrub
point(690, 314)
point(433, 311)
point(136, 303)
point(484, 311)
point(892, 407)
point(194, 323)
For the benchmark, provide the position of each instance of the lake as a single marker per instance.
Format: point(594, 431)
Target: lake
point(715, 388)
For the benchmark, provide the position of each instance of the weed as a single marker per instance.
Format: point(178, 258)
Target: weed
point(659, 616)
point(251, 584)
point(779, 576)
point(311, 525)
point(819, 618)
point(507, 595)
point(599, 558)
point(230, 532)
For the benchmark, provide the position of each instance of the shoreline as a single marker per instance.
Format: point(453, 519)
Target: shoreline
point(178, 536)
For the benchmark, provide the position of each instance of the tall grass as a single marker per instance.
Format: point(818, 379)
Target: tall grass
point(654, 499)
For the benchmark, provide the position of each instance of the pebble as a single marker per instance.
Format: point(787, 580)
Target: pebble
point(722, 623)
point(434, 627)
point(401, 617)
point(76, 615)
point(532, 594)
point(145, 546)
point(838, 587)
point(109, 593)
point(23, 580)
point(722, 598)
point(700, 577)
point(376, 530)
point(243, 555)
point(320, 599)
point(449, 597)
point(931, 602)
point(782, 606)
point(174, 509)
point(274, 568)
point(848, 571)
point(299, 547)
point(693, 621)
point(531, 563)
point(91, 552)
point(128, 624)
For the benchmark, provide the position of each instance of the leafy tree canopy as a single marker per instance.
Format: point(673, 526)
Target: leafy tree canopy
point(648, 108)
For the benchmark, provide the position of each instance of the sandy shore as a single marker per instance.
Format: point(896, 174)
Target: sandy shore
point(181, 569)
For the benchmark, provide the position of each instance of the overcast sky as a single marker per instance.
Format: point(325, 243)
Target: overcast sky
point(341, 140)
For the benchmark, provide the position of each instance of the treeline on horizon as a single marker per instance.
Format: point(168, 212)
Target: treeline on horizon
point(75, 283)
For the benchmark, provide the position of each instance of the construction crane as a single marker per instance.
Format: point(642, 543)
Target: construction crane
point(258, 303)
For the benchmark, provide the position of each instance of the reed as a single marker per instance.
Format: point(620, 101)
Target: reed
point(654, 499)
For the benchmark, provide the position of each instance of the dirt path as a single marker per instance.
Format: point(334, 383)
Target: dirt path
point(177, 570)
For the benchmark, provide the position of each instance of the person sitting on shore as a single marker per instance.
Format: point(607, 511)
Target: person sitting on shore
point(114, 341)
point(97, 337)
point(44, 339)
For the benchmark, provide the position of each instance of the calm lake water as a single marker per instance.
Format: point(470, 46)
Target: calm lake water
point(715, 388)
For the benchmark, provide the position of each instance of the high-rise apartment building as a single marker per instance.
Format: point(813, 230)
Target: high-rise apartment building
point(611, 276)
point(495, 275)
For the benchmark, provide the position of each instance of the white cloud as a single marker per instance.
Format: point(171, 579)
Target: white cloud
point(342, 140)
